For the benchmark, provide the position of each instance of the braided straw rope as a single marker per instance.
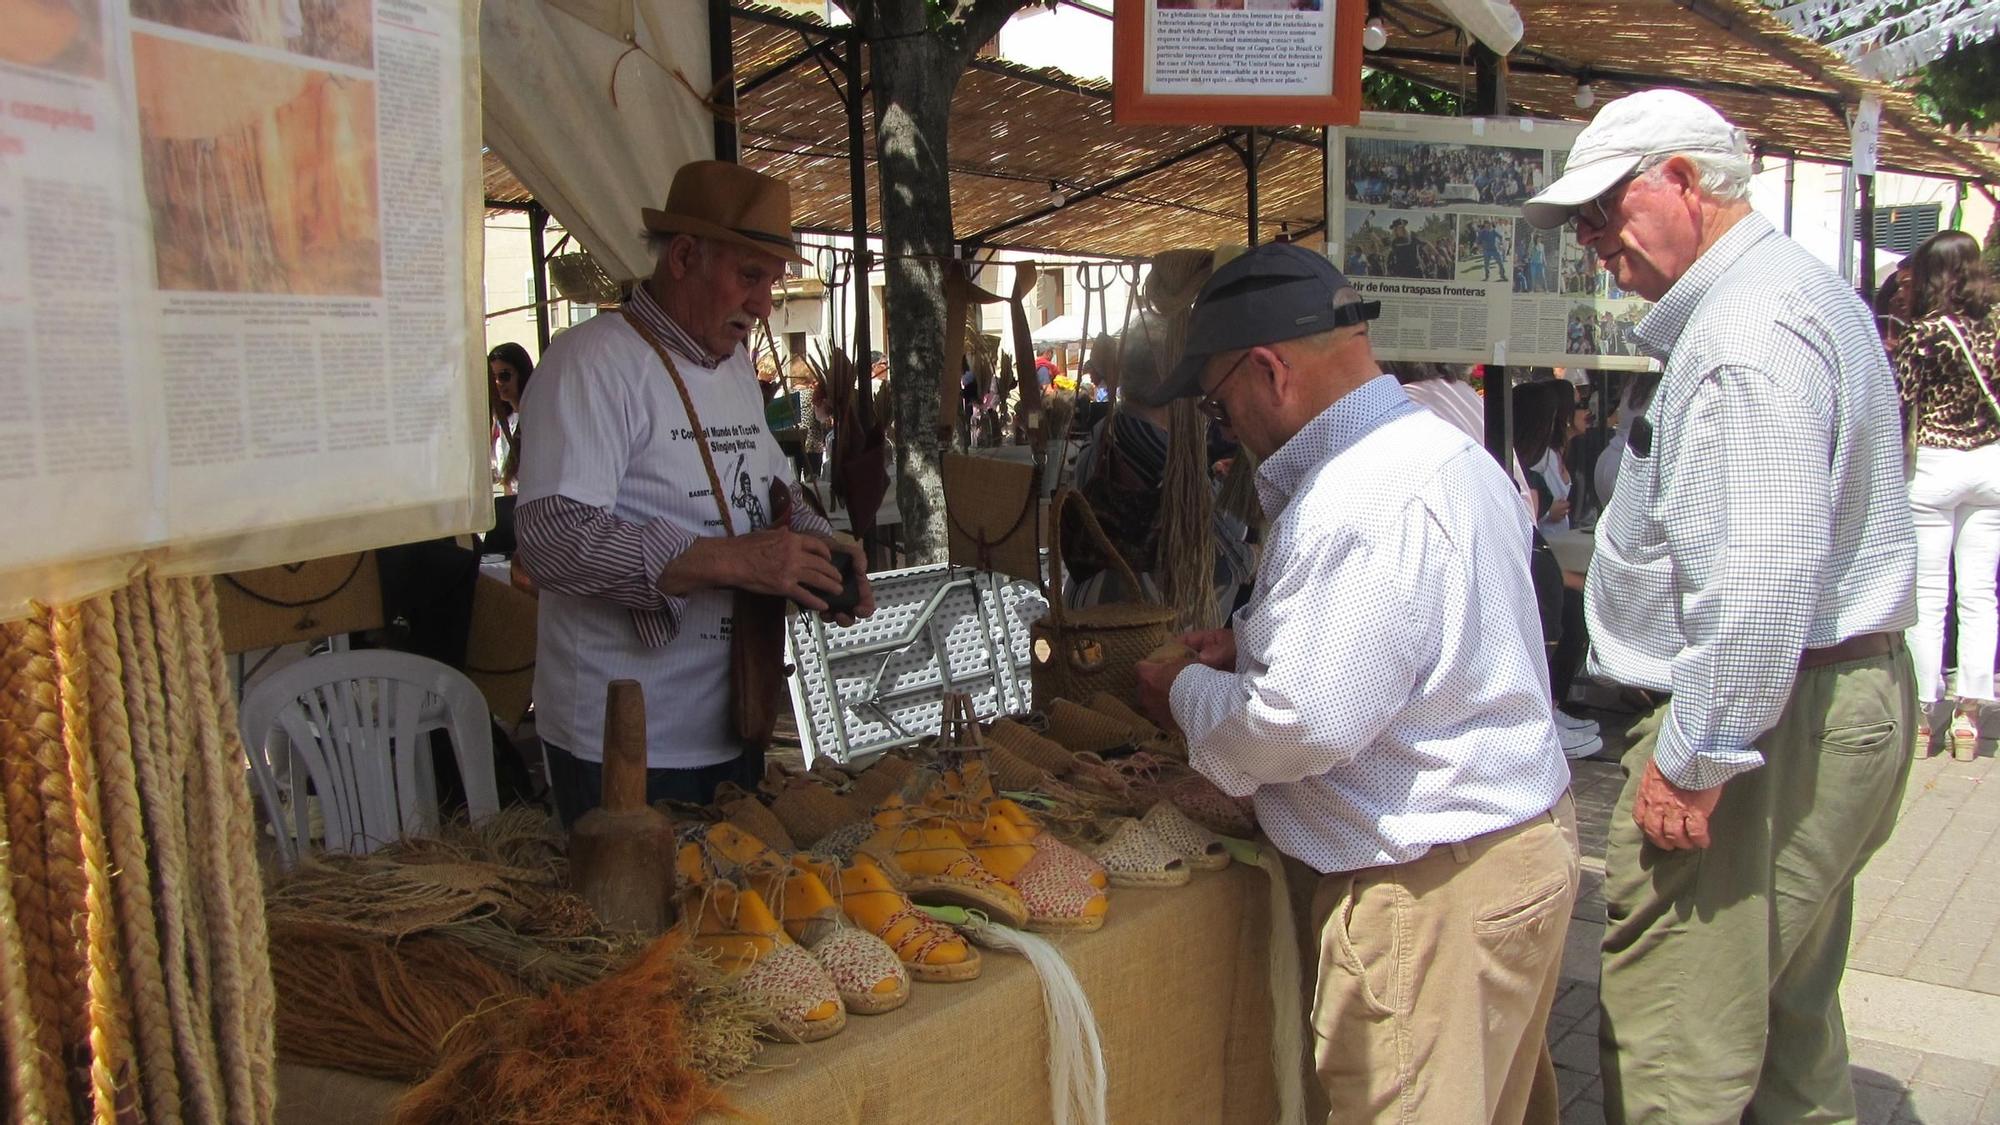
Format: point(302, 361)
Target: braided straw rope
point(26, 1083)
point(39, 1060)
point(234, 828)
point(134, 975)
point(37, 710)
point(110, 1038)
point(113, 746)
point(160, 783)
point(183, 788)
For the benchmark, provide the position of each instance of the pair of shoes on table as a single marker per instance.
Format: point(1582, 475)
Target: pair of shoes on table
point(957, 844)
point(775, 925)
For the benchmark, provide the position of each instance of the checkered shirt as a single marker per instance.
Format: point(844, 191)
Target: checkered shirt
point(1765, 515)
point(1390, 692)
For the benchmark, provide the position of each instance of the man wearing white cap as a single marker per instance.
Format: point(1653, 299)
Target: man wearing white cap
point(1757, 561)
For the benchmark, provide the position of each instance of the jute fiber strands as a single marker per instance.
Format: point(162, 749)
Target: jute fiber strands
point(134, 979)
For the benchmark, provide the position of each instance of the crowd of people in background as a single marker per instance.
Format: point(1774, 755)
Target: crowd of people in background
point(1421, 174)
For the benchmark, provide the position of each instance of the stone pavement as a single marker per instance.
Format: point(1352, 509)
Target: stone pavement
point(1922, 993)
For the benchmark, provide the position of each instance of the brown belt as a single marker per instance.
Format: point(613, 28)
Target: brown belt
point(1864, 647)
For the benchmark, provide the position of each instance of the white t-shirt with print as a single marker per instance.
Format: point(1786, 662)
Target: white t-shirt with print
point(611, 432)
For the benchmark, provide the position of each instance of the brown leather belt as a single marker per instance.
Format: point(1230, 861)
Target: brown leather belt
point(1864, 647)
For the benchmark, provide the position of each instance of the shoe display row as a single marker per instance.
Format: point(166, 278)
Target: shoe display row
point(813, 889)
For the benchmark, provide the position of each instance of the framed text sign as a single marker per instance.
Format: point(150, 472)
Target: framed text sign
point(1237, 62)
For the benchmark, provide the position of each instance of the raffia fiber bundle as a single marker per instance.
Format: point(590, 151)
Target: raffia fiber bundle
point(367, 1005)
point(617, 1050)
point(134, 979)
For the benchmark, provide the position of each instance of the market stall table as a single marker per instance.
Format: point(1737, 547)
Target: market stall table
point(1177, 979)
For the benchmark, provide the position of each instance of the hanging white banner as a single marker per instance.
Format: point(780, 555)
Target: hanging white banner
point(239, 281)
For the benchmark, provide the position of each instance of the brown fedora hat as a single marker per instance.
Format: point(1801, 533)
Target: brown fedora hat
point(729, 203)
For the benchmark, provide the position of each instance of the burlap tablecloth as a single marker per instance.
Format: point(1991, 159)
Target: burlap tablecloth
point(1177, 979)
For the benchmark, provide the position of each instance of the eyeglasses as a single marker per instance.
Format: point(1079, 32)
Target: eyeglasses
point(1596, 213)
point(1208, 405)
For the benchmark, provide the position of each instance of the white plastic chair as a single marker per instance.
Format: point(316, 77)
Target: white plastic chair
point(358, 723)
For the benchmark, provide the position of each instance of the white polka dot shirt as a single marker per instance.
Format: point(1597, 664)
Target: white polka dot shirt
point(1760, 508)
point(1391, 692)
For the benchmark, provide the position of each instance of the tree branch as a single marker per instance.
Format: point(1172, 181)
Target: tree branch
point(983, 22)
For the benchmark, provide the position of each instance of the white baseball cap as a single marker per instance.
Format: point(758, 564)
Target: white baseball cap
point(1625, 132)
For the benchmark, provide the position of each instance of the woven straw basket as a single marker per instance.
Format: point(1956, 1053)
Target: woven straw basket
point(1080, 652)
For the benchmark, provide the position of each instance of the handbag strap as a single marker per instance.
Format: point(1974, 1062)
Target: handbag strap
point(1978, 372)
point(1096, 532)
point(694, 419)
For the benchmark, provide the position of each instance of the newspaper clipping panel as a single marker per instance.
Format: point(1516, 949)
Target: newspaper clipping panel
point(1262, 47)
point(1426, 216)
point(233, 276)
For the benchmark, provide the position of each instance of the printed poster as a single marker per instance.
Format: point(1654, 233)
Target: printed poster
point(238, 294)
point(1425, 215)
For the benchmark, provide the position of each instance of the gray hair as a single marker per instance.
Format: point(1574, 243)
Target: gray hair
point(1724, 176)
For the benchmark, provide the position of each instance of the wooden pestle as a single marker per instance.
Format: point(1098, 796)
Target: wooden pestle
point(621, 853)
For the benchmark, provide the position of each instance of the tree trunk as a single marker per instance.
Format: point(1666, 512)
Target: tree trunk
point(913, 81)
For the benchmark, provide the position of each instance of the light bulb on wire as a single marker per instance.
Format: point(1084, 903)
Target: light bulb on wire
point(1374, 36)
point(1057, 197)
point(1586, 94)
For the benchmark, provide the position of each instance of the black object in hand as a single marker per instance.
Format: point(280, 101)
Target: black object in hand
point(850, 585)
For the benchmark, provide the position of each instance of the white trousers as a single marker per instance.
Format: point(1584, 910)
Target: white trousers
point(1955, 500)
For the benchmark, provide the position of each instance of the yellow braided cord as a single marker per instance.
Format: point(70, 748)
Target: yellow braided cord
point(27, 856)
point(162, 781)
point(113, 750)
point(110, 1037)
point(40, 714)
point(26, 1073)
point(236, 830)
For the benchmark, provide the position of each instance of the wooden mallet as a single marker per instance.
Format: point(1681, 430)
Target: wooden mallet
point(621, 853)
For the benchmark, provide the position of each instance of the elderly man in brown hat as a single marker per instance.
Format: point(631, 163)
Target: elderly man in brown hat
point(647, 514)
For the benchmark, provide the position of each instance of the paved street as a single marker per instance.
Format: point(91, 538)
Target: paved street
point(1922, 994)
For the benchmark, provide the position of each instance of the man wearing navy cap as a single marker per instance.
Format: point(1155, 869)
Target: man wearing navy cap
point(1385, 701)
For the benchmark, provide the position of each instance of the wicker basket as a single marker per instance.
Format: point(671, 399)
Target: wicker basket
point(581, 281)
point(1080, 652)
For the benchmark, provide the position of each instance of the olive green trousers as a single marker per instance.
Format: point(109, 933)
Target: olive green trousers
point(1722, 966)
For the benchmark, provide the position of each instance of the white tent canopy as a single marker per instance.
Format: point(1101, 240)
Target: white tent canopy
point(552, 69)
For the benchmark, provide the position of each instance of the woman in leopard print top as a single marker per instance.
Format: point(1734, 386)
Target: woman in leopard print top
point(1945, 365)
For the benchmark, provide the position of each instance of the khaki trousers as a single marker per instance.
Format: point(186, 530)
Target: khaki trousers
point(1436, 977)
point(1721, 986)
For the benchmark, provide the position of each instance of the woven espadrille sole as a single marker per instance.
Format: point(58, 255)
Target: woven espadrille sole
point(944, 890)
point(797, 1031)
point(1174, 877)
point(965, 970)
point(1066, 925)
point(876, 1003)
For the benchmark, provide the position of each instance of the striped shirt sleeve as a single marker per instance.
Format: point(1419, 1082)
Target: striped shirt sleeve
point(586, 552)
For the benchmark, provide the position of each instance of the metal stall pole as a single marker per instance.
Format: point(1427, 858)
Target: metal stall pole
point(1791, 186)
point(1251, 158)
point(722, 75)
point(857, 188)
point(1866, 220)
point(538, 224)
point(1490, 100)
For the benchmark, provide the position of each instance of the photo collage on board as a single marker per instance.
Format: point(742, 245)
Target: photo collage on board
point(258, 141)
point(1436, 210)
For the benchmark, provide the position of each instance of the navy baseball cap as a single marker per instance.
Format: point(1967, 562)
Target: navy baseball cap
point(1277, 292)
